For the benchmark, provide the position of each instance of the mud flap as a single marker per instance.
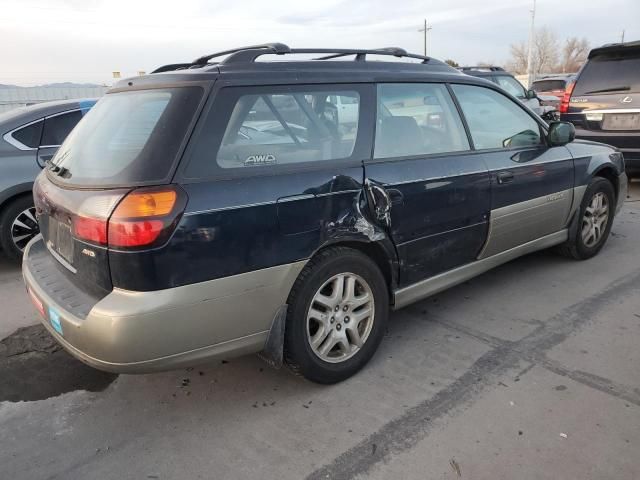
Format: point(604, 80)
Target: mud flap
point(273, 352)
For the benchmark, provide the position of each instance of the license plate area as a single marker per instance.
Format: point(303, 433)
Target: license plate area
point(621, 121)
point(60, 239)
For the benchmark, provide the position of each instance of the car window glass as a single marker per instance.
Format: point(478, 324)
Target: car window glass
point(284, 128)
point(495, 121)
point(417, 119)
point(610, 73)
point(512, 86)
point(29, 135)
point(58, 127)
point(548, 85)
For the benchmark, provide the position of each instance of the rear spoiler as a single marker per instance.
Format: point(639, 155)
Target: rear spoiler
point(628, 47)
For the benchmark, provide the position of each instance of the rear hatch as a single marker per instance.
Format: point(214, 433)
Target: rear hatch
point(606, 95)
point(108, 186)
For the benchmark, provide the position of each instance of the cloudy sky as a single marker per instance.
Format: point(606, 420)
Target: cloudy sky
point(43, 41)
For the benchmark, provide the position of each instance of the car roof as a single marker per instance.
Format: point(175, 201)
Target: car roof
point(245, 66)
point(627, 47)
point(22, 115)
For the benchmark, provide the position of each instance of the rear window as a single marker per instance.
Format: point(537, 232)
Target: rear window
point(610, 74)
point(128, 138)
point(548, 85)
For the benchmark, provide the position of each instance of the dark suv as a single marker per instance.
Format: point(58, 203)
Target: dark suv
point(604, 101)
point(218, 209)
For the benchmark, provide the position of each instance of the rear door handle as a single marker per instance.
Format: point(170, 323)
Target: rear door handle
point(505, 177)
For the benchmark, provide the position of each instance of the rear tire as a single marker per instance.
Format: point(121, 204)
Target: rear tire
point(17, 226)
point(338, 310)
point(594, 221)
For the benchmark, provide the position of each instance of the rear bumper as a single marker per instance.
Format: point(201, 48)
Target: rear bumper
point(140, 332)
point(628, 143)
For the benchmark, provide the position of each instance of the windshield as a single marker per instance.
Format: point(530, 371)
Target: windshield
point(511, 85)
point(127, 138)
point(610, 74)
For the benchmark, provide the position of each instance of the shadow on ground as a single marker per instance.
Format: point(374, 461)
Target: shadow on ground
point(33, 366)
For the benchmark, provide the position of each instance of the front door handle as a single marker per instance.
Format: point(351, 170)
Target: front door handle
point(505, 177)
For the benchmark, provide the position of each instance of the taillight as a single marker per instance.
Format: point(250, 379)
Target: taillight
point(143, 217)
point(566, 98)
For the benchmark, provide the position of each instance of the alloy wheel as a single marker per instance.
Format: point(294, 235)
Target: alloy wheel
point(594, 221)
point(24, 228)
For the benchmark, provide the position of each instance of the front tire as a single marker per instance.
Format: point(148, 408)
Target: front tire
point(594, 221)
point(18, 225)
point(338, 310)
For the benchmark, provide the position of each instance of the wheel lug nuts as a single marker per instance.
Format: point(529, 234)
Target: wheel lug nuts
point(332, 319)
point(346, 319)
point(345, 308)
point(337, 308)
point(338, 327)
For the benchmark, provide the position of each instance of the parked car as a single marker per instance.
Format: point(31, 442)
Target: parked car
point(29, 136)
point(171, 237)
point(551, 88)
point(604, 101)
point(509, 83)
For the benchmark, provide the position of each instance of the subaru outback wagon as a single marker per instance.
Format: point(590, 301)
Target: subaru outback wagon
point(217, 209)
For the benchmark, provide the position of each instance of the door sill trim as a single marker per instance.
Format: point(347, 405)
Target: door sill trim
point(430, 286)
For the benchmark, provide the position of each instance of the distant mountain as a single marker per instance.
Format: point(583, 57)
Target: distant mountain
point(56, 85)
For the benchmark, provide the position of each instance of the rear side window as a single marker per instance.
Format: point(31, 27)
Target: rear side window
point(494, 120)
point(283, 128)
point(417, 119)
point(617, 73)
point(29, 136)
point(58, 127)
point(128, 138)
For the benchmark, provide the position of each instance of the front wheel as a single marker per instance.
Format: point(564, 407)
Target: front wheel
point(595, 220)
point(337, 316)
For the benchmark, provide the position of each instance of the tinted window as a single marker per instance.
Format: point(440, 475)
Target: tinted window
point(614, 73)
point(494, 120)
point(128, 137)
point(29, 135)
point(548, 85)
point(417, 119)
point(511, 85)
point(57, 128)
point(283, 128)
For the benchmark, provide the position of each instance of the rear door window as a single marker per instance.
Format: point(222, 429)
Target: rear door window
point(128, 138)
point(496, 121)
point(615, 73)
point(297, 127)
point(57, 128)
point(417, 119)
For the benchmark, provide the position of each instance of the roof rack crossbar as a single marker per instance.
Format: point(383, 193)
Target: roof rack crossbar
point(250, 55)
point(277, 48)
point(482, 67)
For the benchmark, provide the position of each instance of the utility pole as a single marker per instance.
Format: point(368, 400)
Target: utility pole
point(425, 29)
point(622, 41)
point(531, 41)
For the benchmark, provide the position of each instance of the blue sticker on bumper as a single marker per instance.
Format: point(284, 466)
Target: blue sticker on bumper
point(54, 318)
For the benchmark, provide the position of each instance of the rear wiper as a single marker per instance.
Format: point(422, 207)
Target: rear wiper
point(57, 169)
point(611, 89)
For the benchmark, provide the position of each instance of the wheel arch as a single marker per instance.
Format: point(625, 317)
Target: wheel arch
point(608, 172)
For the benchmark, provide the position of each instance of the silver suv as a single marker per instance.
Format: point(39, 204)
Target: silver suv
point(29, 137)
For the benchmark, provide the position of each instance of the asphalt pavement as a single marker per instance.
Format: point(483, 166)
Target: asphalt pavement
point(530, 371)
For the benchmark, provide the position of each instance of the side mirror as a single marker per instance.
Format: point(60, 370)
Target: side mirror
point(561, 133)
point(530, 95)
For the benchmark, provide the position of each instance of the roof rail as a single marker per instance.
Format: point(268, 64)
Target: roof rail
point(251, 53)
point(489, 68)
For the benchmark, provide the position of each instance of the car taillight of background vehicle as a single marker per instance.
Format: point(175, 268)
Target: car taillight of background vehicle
point(144, 218)
point(566, 98)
